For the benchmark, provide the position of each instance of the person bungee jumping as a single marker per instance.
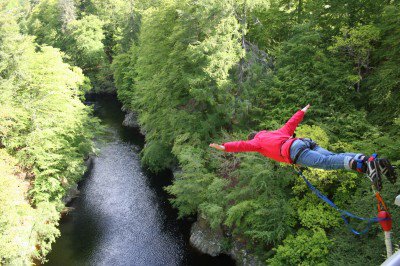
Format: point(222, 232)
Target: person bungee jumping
point(282, 146)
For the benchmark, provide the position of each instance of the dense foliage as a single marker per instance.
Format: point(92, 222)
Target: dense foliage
point(46, 132)
point(210, 71)
point(198, 72)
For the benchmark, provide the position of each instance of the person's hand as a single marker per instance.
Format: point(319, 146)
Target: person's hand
point(217, 146)
point(306, 108)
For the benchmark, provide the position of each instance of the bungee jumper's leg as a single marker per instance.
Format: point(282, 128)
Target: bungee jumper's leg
point(374, 168)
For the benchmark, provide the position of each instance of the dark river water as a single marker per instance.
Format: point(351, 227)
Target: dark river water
point(123, 216)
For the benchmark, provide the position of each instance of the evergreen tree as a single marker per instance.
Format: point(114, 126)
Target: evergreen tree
point(196, 71)
point(190, 81)
point(187, 44)
point(45, 134)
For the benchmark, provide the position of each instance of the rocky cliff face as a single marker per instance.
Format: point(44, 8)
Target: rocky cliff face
point(212, 242)
point(130, 119)
point(72, 193)
point(242, 256)
point(206, 240)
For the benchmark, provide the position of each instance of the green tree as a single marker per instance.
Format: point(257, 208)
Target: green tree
point(306, 248)
point(188, 45)
point(357, 44)
point(46, 22)
point(68, 13)
point(197, 71)
point(384, 81)
point(85, 42)
point(54, 23)
point(46, 133)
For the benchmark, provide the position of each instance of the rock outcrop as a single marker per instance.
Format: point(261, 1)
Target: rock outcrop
point(130, 119)
point(205, 239)
point(72, 193)
point(211, 242)
point(242, 256)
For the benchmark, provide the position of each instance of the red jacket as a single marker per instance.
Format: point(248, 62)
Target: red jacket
point(272, 144)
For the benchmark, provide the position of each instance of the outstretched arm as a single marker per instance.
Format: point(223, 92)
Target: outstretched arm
point(306, 108)
point(236, 146)
point(294, 121)
point(217, 146)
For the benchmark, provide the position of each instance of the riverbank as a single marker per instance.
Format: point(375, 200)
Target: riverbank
point(123, 215)
point(201, 237)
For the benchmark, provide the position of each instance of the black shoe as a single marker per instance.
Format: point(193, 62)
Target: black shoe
point(374, 173)
point(387, 169)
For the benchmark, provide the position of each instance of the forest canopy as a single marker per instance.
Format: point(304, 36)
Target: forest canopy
point(197, 72)
point(212, 71)
point(46, 132)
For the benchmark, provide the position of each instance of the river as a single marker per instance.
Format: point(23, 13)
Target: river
point(122, 215)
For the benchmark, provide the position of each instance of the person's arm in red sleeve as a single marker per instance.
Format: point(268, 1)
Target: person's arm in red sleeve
point(294, 121)
point(237, 146)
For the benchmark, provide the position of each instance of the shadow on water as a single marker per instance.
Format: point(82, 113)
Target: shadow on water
point(123, 216)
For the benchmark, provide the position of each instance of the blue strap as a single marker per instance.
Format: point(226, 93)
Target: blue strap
point(359, 165)
point(344, 214)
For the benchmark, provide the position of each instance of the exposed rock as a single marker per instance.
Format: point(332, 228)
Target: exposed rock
point(66, 210)
point(72, 193)
point(89, 163)
point(176, 170)
point(242, 257)
point(130, 119)
point(205, 239)
point(211, 242)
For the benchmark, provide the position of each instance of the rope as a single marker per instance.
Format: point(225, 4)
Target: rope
point(388, 244)
point(344, 214)
point(381, 204)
